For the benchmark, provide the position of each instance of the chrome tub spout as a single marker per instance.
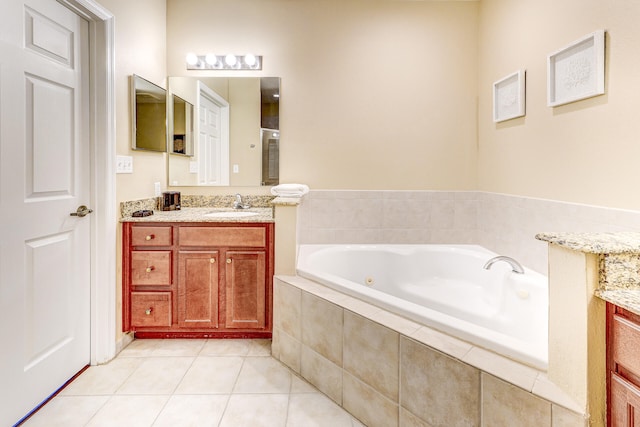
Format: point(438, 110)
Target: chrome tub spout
point(515, 265)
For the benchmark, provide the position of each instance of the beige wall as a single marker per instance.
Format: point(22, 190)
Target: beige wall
point(585, 152)
point(139, 49)
point(382, 94)
point(375, 94)
point(140, 37)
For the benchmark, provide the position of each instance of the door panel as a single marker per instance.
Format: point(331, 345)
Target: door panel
point(245, 289)
point(44, 176)
point(198, 289)
point(49, 165)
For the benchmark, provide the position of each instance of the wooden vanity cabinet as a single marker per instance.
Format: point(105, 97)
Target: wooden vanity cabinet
point(623, 367)
point(198, 279)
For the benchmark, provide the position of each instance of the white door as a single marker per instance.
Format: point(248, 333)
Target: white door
point(44, 176)
point(213, 138)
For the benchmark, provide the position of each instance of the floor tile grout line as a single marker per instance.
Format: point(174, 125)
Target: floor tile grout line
point(170, 396)
point(226, 406)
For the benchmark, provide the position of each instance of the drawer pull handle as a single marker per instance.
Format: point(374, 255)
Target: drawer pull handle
point(150, 269)
point(228, 260)
point(148, 311)
point(212, 260)
point(149, 237)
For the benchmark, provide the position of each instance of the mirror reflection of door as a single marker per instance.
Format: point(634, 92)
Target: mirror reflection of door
point(213, 137)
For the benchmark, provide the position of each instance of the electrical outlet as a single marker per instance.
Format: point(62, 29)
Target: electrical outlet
point(124, 164)
point(236, 168)
point(157, 189)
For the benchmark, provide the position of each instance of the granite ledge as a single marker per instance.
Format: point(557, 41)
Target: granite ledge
point(629, 299)
point(286, 201)
point(596, 243)
point(619, 263)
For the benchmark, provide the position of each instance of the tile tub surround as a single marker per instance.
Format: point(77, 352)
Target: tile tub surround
point(390, 371)
point(502, 223)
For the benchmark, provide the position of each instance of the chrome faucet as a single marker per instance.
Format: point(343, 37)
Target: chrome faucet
point(515, 265)
point(238, 204)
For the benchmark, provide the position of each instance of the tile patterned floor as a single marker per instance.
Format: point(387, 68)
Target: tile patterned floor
point(218, 383)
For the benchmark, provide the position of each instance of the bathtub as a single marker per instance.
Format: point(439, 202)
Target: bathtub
point(443, 287)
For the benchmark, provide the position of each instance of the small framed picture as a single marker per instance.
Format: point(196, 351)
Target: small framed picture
point(509, 97)
point(576, 72)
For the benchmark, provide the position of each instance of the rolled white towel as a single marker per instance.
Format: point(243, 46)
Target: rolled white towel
point(290, 190)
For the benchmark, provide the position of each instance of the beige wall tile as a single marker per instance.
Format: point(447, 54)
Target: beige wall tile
point(503, 402)
point(275, 343)
point(366, 404)
point(371, 353)
point(561, 417)
point(322, 373)
point(407, 419)
point(437, 388)
point(322, 327)
point(315, 409)
point(287, 302)
point(288, 349)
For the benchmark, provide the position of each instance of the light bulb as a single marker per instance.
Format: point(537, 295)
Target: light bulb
point(230, 60)
point(192, 58)
point(250, 59)
point(211, 59)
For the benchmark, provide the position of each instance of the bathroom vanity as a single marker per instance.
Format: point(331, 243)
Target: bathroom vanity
point(186, 274)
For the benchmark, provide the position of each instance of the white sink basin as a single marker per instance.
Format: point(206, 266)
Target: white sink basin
point(231, 214)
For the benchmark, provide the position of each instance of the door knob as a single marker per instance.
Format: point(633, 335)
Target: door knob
point(81, 211)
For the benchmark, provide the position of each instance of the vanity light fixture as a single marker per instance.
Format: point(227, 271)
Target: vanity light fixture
point(213, 61)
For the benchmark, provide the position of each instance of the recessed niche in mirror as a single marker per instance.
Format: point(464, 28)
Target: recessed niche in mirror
point(236, 135)
point(181, 127)
point(148, 115)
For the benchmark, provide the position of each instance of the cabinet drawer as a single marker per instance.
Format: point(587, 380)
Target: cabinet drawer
point(151, 308)
point(151, 268)
point(151, 236)
point(223, 236)
point(626, 341)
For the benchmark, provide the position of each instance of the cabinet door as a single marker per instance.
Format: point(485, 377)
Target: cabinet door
point(198, 289)
point(245, 286)
point(625, 403)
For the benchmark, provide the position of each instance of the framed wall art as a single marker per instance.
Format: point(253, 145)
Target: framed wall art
point(576, 72)
point(509, 97)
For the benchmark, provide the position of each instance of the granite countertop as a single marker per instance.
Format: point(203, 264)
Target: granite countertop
point(199, 215)
point(619, 263)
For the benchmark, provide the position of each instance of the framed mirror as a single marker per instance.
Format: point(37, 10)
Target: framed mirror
point(148, 115)
point(236, 135)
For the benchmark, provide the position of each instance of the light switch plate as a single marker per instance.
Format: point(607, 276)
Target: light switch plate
point(156, 189)
point(124, 164)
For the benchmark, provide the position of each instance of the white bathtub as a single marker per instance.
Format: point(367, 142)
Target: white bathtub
point(443, 287)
